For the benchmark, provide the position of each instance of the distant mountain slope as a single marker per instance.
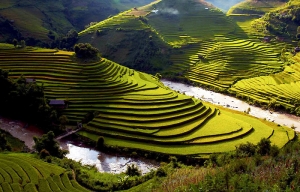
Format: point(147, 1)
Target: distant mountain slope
point(255, 6)
point(224, 5)
point(34, 19)
point(282, 21)
point(142, 38)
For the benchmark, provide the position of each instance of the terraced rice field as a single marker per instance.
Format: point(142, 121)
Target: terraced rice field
point(184, 28)
point(134, 109)
point(276, 89)
point(123, 21)
point(20, 172)
point(227, 60)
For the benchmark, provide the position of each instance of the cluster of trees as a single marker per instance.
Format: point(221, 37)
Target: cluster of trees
point(22, 43)
point(63, 42)
point(26, 101)
point(85, 51)
point(47, 145)
point(4, 145)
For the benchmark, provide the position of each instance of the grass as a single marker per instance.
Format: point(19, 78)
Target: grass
point(22, 172)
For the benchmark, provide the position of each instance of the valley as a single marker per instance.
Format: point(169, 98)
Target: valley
point(190, 86)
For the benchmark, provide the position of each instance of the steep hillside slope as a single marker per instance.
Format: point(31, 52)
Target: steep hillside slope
point(146, 34)
point(21, 172)
point(34, 19)
point(224, 5)
point(256, 7)
point(282, 21)
point(133, 109)
point(275, 90)
point(203, 45)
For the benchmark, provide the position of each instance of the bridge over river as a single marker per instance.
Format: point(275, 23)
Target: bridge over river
point(67, 134)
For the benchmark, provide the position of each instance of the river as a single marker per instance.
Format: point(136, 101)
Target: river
point(116, 164)
point(235, 104)
point(78, 151)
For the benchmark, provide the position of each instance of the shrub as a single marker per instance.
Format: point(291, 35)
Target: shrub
point(48, 142)
point(23, 43)
point(160, 172)
point(264, 146)
point(132, 170)
point(274, 150)
point(85, 50)
point(44, 153)
point(245, 150)
point(100, 143)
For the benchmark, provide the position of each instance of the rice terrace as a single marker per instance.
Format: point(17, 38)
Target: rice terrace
point(91, 74)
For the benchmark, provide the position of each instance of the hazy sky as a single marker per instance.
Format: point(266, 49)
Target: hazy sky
point(224, 4)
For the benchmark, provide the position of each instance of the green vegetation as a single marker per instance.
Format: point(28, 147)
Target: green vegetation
point(43, 22)
point(25, 100)
point(131, 109)
point(256, 7)
point(276, 90)
point(85, 51)
point(22, 172)
point(10, 143)
point(281, 21)
point(234, 172)
point(48, 145)
point(248, 52)
point(204, 47)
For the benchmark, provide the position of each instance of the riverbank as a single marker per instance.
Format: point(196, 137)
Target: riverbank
point(77, 150)
point(235, 104)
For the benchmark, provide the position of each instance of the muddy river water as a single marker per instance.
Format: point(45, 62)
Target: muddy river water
point(116, 164)
point(77, 151)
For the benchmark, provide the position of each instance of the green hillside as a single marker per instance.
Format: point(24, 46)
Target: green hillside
point(33, 20)
point(191, 41)
point(255, 7)
point(281, 21)
point(133, 109)
point(275, 90)
point(21, 172)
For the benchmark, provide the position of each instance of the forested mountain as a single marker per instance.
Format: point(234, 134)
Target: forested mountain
point(41, 22)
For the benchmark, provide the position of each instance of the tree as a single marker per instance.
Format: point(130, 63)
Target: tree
point(100, 142)
point(264, 146)
point(63, 120)
point(85, 50)
point(4, 145)
point(133, 171)
point(245, 150)
point(47, 142)
point(23, 44)
point(15, 42)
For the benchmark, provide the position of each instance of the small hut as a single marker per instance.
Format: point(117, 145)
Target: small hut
point(297, 49)
point(279, 38)
point(58, 104)
point(30, 80)
point(267, 39)
point(200, 56)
